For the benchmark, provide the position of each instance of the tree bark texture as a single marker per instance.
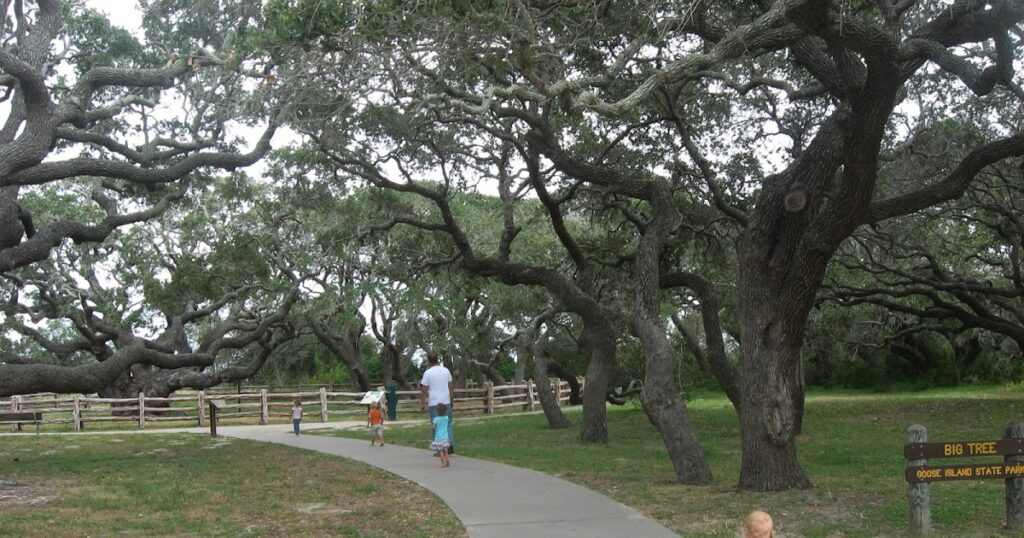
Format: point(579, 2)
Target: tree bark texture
point(779, 276)
point(799, 398)
point(663, 402)
point(600, 342)
point(773, 318)
point(552, 411)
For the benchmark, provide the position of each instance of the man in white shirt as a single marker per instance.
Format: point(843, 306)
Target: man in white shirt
point(437, 387)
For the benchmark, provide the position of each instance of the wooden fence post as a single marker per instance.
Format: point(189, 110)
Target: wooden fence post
point(489, 398)
point(920, 492)
point(529, 395)
point(1014, 486)
point(142, 410)
point(558, 391)
point(264, 408)
point(323, 404)
point(76, 414)
point(201, 404)
point(15, 406)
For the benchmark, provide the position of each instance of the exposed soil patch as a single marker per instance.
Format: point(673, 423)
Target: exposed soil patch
point(322, 508)
point(13, 493)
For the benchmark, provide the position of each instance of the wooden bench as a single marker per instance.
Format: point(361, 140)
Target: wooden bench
point(21, 417)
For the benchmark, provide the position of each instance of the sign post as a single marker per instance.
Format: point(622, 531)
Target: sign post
point(1014, 486)
point(919, 474)
point(919, 492)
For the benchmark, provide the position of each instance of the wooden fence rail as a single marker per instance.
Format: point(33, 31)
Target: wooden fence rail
point(264, 403)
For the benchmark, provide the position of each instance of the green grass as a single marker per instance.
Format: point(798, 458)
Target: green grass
point(852, 449)
point(191, 485)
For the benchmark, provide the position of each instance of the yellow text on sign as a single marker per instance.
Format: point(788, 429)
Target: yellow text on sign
point(969, 449)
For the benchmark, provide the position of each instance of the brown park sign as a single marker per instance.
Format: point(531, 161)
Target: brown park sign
point(918, 473)
point(967, 471)
point(1000, 447)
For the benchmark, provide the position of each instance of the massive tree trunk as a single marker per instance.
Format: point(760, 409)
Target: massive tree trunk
point(772, 333)
point(782, 253)
point(780, 271)
point(139, 378)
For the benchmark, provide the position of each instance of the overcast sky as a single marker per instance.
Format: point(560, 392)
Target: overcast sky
point(123, 13)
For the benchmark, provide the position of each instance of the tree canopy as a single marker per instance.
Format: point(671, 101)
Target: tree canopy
point(652, 175)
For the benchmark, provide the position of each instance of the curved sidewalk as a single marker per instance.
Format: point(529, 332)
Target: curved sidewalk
point(492, 500)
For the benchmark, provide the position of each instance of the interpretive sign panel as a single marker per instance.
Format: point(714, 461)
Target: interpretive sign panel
point(372, 397)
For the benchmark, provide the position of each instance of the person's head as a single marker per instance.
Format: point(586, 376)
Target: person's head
point(441, 409)
point(298, 403)
point(758, 524)
point(377, 405)
point(433, 359)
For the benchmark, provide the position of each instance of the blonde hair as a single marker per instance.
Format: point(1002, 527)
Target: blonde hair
point(758, 524)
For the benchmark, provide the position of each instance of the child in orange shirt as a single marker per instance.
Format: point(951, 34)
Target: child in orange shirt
point(375, 421)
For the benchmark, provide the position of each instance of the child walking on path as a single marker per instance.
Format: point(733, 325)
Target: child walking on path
point(297, 415)
point(441, 441)
point(375, 421)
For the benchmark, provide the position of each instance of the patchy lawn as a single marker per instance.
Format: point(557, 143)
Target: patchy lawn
point(192, 485)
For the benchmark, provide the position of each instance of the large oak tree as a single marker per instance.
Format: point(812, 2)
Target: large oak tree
point(118, 130)
point(630, 102)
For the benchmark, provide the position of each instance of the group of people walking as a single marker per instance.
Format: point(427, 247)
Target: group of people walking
point(437, 397)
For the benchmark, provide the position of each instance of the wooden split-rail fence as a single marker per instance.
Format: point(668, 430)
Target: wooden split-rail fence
point(264, 403)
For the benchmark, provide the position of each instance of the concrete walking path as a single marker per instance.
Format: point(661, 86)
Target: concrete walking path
point(492, 500)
